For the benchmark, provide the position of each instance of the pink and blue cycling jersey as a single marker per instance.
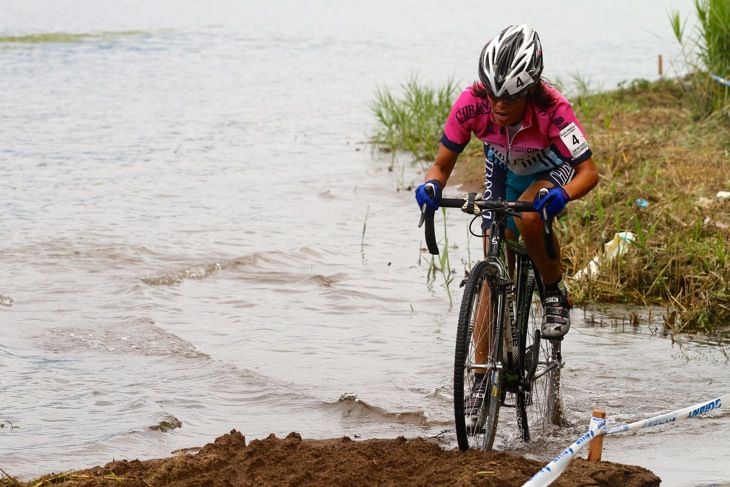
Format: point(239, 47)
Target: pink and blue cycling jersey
point(548, 138)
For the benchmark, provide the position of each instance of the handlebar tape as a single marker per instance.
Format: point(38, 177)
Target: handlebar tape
point(547, 229)
point(431, 243)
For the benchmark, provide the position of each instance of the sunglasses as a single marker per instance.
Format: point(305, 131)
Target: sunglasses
point(508, 99)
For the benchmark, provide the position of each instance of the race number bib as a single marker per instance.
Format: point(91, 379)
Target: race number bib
point(574, 140)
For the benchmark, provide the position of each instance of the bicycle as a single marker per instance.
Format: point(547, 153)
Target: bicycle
point(498, 336)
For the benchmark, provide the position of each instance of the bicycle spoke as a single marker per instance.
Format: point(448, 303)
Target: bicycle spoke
point(477, 373)
point(544, 410)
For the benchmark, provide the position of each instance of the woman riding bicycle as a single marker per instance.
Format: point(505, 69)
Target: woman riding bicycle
point(532, 140)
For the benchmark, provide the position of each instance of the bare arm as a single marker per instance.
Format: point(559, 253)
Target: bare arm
point(585, 179)
point(441, 169)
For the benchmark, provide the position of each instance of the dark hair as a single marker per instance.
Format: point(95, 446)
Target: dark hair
point(540, 95)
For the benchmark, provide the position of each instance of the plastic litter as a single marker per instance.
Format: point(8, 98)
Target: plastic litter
point(619, 245)
point(641, 203)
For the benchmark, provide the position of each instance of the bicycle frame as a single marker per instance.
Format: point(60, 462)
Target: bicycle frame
point(502, 345)
point(515, 298)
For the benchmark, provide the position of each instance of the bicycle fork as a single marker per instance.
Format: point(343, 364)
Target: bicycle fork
point(499, 279)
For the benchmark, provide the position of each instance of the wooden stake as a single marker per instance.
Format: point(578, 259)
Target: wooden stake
point(660, 66)
point(595, 447)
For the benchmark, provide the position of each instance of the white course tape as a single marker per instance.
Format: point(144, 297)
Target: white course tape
point(690, 412)
point(720, 80)
point(552, 470)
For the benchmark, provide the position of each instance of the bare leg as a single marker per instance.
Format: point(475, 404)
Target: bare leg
point(530, 227)
point(481, 328)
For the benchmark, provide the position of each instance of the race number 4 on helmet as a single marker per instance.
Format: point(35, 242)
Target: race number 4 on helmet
point(511, 63)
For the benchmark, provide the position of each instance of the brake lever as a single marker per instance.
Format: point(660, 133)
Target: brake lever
point(423, 215)
point(542, 193)
point(547, 227)
point(424, 207)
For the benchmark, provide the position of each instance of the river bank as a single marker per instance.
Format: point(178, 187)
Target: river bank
point(292, 461)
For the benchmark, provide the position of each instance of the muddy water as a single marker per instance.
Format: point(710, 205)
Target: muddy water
point(199, 238)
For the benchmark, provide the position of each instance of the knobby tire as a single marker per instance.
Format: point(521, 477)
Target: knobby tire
point(480, 300)
point(523, 397)
point(539, 407)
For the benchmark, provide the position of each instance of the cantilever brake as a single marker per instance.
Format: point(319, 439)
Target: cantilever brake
point(469, 206)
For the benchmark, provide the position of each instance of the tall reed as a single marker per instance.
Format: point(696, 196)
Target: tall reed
point(706, 50)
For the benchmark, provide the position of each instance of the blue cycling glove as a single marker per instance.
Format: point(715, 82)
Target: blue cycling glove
point(424, 199)
point(554, 201)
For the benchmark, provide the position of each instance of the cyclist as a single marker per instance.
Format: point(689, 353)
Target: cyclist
point(532, 140)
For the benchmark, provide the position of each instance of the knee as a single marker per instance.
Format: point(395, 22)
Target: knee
point(530, 224)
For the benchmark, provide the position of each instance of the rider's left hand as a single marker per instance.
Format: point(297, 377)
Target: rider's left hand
point(554, 202)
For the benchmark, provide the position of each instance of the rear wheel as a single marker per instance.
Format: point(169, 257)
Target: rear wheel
point(541, 403)
point(478, 352)
point(523, 398)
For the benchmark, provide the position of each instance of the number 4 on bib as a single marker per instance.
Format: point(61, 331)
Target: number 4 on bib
point(574, 140)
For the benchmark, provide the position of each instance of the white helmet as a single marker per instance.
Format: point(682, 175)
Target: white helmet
point(511, 62)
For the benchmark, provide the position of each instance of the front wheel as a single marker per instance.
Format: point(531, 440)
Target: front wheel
point(478, 373)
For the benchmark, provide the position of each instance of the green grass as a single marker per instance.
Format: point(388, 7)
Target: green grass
point(706, 52)
point(655, 149)
point(64, 37)
point(441, 264)
point(414, 121)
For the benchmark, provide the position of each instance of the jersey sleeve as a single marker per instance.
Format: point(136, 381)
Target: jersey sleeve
point(567, 135)
point(458, 129)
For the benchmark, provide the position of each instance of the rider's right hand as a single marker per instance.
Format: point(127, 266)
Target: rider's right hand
point(428, 195)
